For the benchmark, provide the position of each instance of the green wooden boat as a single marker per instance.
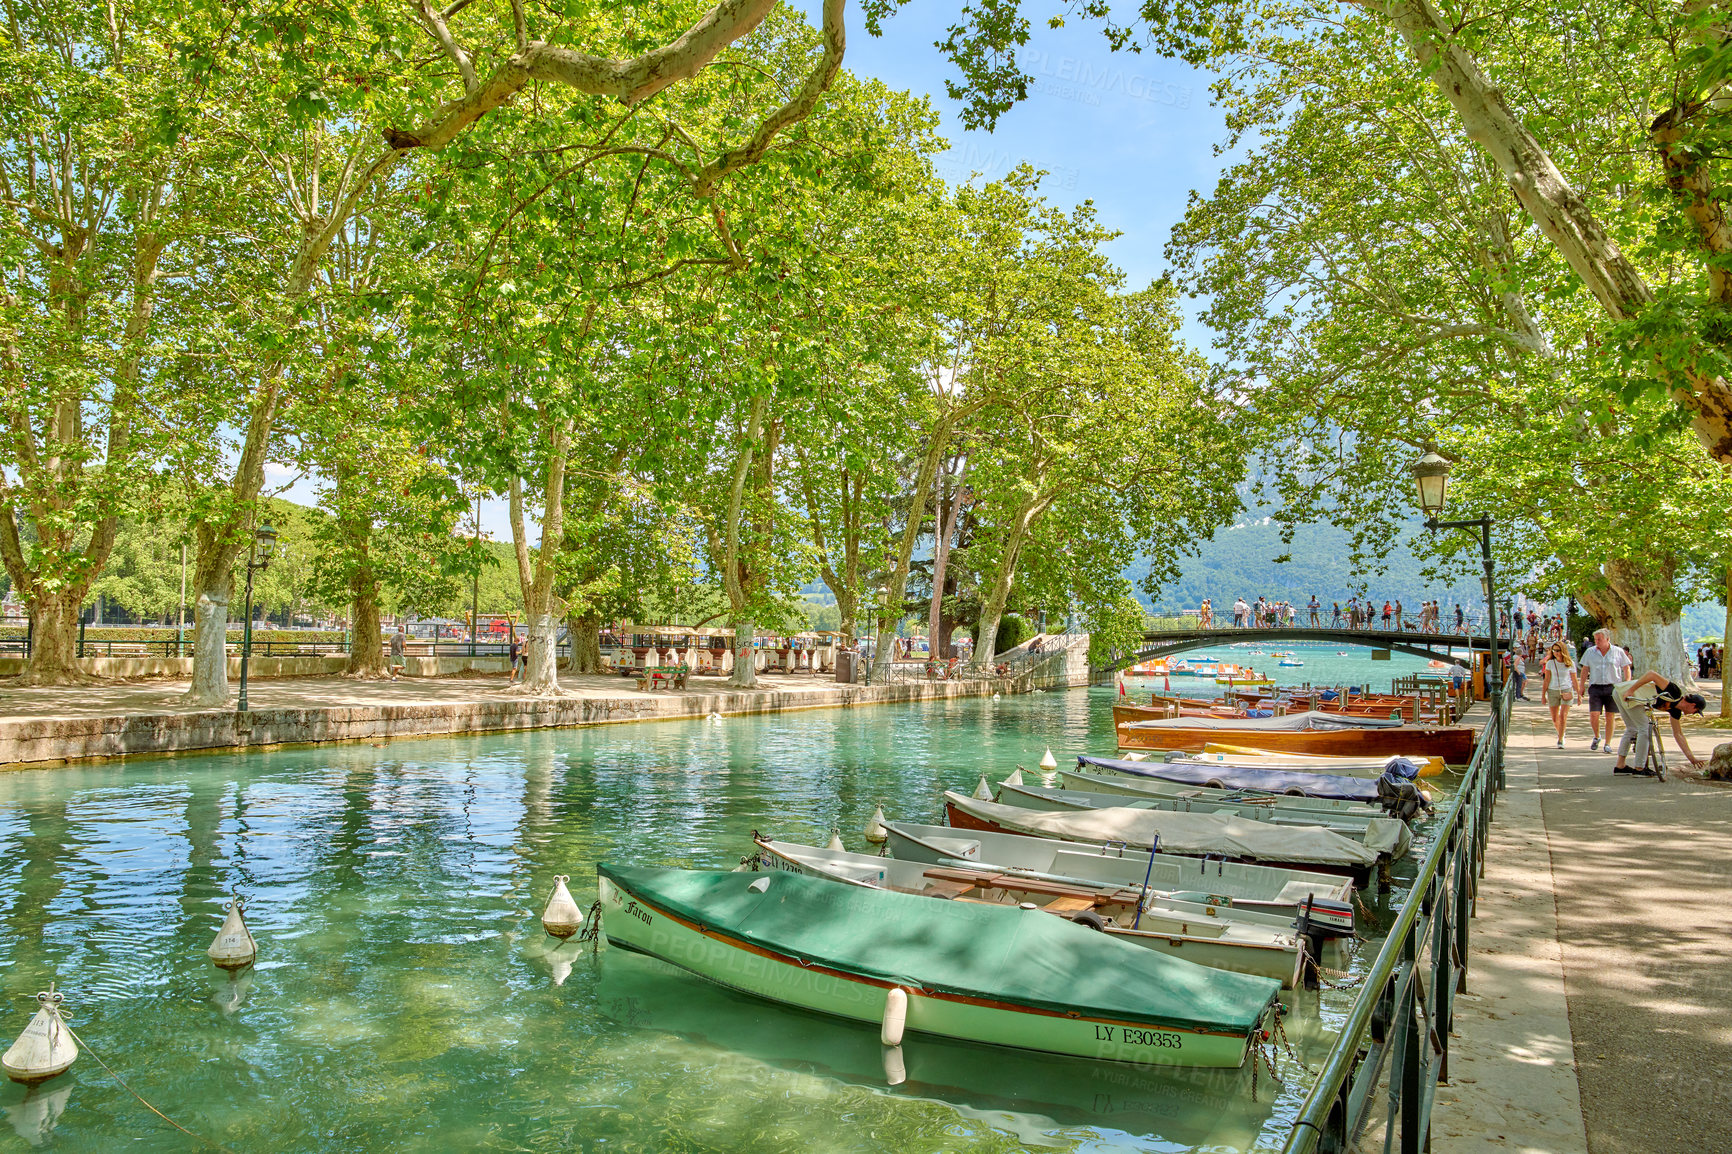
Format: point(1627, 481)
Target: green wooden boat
point(1000, 975)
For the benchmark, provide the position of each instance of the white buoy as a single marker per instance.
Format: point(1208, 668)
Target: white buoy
point(895, 1016)
point(234, 948)
point(835, 842)
point(561, 918)
point(982, 791)
point(875, 827)
point(1015, 777)
point(995, 697)
point(1048, 763)
point(45, 1048)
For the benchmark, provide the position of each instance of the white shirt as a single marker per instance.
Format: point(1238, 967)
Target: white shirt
point(1606, 668)
point(1560, 675)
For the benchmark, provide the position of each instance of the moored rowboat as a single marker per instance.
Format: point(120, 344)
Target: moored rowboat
point(1215, 882)
point(1308, 732)
point(1188, 834)
point(1347, 766)
point(1387, 836)
point(1196, 932)
point(1130, 786)
point(1221, 775)
point(985, 973)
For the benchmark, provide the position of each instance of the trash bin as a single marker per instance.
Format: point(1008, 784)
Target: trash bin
point(845, 659)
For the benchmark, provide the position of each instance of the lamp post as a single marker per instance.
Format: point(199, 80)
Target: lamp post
point(258, 560)
point(1431, 475)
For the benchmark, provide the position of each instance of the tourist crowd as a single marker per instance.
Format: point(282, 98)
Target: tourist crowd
point(1354, 614)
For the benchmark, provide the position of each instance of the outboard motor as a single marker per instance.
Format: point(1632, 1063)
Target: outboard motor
point(1400, 797)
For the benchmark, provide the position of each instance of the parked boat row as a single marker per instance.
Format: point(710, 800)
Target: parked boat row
point(1129, 909)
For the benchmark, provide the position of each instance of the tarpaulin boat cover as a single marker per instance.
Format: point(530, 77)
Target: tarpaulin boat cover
point(1186, 833)
point(1386, 835)
point(1310, 719)
point(1000, 953)
point(1329, 785)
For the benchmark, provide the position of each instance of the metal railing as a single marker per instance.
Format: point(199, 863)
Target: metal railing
point(1393, 1049)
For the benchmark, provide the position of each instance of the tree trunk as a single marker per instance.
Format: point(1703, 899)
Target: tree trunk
point(585, 635)
point(937, 641)
point(53, 642)
point(210, 661)
point(366, 643)
point(1641, 608)
point(540, 656)
point(745, 675)
point(896, 590)
point(991, 613)
point(541, 609)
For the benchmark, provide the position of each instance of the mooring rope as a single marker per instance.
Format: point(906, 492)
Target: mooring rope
point(123, 1085)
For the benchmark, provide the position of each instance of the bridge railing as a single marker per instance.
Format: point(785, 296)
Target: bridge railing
point(1393, 1049)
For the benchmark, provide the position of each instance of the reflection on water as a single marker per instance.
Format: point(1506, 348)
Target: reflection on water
point(406, 999)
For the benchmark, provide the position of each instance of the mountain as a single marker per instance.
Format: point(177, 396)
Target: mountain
point(1250, 559)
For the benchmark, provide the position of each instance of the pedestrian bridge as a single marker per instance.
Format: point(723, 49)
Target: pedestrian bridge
point(1164, 642)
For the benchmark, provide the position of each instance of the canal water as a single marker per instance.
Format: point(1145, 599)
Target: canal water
point(406, 999)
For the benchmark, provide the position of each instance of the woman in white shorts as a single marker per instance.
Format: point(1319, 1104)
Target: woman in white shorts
point(1559, 686)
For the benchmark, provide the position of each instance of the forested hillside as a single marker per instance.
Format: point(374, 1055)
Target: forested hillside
point(1251, 559)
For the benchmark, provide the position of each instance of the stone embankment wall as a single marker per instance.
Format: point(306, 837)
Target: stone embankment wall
point(26, 741)
point(1066, 669)
point(180, 668)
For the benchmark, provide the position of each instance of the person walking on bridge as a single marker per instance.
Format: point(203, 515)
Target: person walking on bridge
point(1240, 611)
point(1387, 610)
point(1314, 606)
point(1398, 626)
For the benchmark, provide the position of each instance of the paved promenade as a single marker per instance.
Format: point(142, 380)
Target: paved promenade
point(1597, 1017)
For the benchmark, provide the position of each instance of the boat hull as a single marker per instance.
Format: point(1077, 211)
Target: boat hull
point(633, 922)
point(1454, 743)
point(1361, 874)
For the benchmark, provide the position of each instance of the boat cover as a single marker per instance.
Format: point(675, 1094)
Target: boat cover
point(1330, 785)
point(999, 953)
point(1186, 833)
point(1309, 719)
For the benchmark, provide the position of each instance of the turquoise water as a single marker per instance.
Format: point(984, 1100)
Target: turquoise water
point(406, 999)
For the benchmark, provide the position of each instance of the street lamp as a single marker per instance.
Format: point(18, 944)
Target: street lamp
point(1431, 475)
point(258, 560)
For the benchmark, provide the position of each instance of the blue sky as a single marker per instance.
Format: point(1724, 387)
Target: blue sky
point(1134, 133)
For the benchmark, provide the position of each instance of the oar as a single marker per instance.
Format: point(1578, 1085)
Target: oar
point(1154, 847)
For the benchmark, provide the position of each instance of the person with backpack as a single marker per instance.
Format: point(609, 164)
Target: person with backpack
point(1637, 700)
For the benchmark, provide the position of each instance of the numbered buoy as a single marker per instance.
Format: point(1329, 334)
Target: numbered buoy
point(895, 1016)
point(1015, 777)
point(234, 948)
point(1048, 763)
point(982, 791)
point(45, 1049)
point(561, 918)
point(875, 827)
point(835, 842)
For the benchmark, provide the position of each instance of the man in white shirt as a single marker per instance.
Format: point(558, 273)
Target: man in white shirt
point(1240, 609)
point(1602, 666)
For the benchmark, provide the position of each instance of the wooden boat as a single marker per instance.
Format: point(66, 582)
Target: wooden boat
point(1233, 886)
point(1187, 834)
point(1308, 732)
point(1196, 932)
point(1389, 837)
point(1000, 975)
point(1130, 785)
point(1319, 763)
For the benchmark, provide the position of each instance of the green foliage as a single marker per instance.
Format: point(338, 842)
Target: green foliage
point(1013, 630)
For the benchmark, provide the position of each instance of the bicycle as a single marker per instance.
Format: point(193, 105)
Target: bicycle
point(1655, 762)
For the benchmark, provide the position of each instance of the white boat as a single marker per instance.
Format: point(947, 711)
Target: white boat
point(1154, 787)
point(1235, 885)
point(1387, 836)
point(1187, 834)
point(1345, 765)
point(1196, 932)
